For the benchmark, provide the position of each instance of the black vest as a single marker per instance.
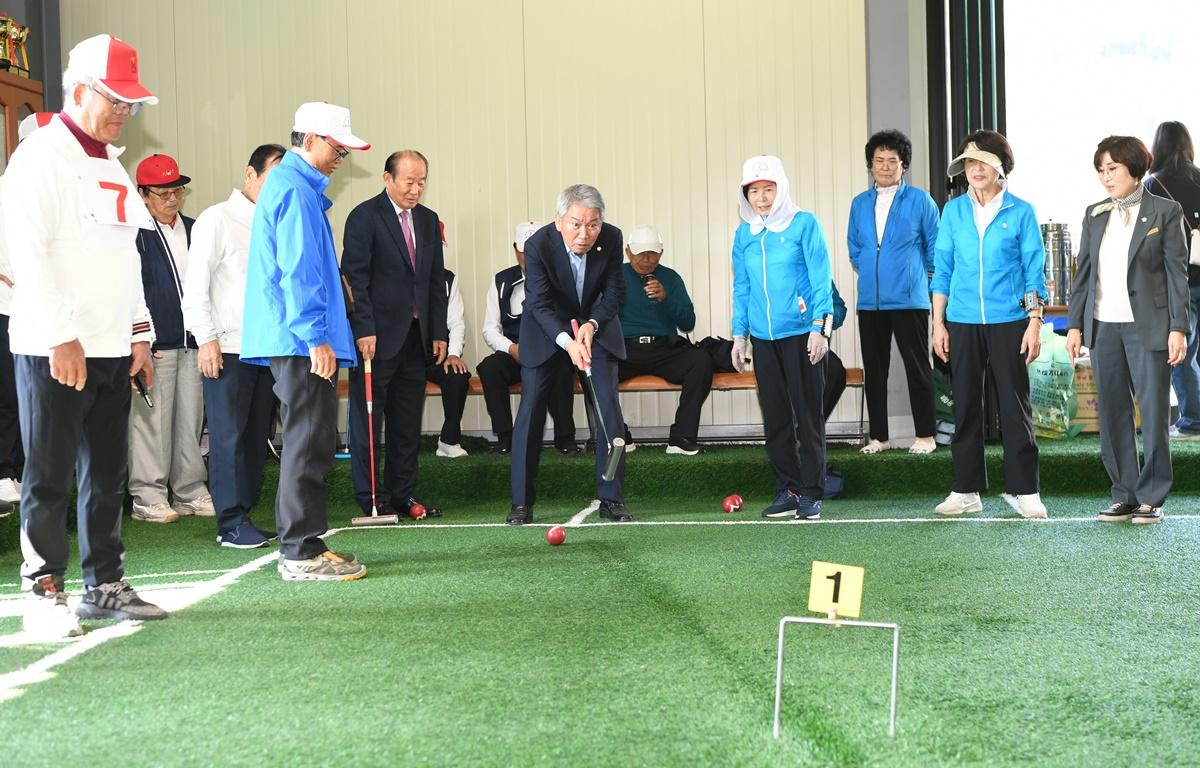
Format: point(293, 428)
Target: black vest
point(506, 281)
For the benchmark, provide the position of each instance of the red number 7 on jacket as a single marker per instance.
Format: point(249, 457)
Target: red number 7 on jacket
point(122, 192)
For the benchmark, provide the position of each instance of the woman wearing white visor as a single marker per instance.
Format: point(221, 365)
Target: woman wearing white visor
point(783, 301)
point(988, 292)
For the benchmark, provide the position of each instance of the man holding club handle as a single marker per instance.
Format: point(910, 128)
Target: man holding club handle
point(573, 289)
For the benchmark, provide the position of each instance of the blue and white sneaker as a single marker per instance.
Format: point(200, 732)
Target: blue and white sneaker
point(808, 509)
point(269, 535)
point(245, 536)
point(785, 505)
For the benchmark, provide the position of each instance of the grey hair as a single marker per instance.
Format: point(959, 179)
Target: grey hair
point(69, 87)
point(580, 194)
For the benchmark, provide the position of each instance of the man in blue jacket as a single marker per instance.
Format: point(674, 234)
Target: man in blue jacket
point(295, 322)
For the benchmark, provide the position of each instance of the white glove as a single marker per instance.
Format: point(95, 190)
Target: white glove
point(818, 345)
point(739, 353)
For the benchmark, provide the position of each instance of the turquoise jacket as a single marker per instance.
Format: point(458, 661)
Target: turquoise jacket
point(984, 281)
point(893, 274)
point(294, 296)
point(781, 280)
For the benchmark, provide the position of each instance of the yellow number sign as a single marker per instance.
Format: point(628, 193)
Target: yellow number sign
point(835, 587)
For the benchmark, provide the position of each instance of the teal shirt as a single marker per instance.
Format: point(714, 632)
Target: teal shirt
point(643, 316)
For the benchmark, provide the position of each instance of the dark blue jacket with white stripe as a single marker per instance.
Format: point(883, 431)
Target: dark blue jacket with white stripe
point(162, 281)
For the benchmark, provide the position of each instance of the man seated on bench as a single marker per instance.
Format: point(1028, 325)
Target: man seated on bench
point(501, 369)
point(452, 374)
point(656, 307)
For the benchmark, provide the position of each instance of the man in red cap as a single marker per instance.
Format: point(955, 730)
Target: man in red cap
point(164, 440)
point(79, 330)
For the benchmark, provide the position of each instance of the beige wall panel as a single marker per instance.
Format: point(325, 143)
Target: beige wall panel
point(446, 79)
point(627, 117)
point(513, 100)
point(785, 78)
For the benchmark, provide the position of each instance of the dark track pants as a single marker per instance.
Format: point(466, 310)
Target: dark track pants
point(69, 433)
point(790, 393)
point(996, 347)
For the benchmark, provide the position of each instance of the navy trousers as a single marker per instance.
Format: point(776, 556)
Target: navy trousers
point(240, 406)
point(398, 392)
point(536, 385)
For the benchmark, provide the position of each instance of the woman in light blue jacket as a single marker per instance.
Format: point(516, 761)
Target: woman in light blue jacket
point(783, 302)
point(891, 234)
point(988, 291)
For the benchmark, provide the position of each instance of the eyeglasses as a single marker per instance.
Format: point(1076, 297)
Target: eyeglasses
point(879, 162)
point(175, 193)
point(118, 107)
point(342, 152)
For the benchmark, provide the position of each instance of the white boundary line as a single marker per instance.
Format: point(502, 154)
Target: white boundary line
point(165, 574)
point(13, 684)
point(578, 518)
point(823, 521)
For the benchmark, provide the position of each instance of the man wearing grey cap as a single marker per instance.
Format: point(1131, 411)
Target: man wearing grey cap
point(656, 306)
point(295, 321)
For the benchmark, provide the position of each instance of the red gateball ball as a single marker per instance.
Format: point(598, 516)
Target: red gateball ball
point(417, 511)
point(556, 535)
point(732, 503)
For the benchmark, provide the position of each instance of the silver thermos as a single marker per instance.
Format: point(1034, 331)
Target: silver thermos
point(1056, 239)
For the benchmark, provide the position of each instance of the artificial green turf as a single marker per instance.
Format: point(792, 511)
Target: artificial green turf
point(1063, 643)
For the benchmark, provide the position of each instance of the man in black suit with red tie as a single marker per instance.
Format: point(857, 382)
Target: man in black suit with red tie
point(392, 261)
point(573, 271)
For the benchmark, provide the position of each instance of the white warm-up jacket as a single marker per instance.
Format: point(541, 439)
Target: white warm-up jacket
point(215, 290)
point(71, 222)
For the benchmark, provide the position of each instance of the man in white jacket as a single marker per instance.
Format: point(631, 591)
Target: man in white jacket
point(237, 395)
point(79, 330)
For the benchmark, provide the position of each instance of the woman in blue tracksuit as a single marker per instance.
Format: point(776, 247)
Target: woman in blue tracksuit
point(891, 234)
point(988, 291)
point(782, 301)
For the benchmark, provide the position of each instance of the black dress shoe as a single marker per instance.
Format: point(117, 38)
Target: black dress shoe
point(501, 449)
point(615, 511)
point(430, 511)
point(521, 514)
point(568, 449)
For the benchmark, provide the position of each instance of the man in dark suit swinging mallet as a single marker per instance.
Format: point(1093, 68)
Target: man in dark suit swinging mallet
point(573, 271)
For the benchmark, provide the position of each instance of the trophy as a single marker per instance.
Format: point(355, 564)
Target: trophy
point(13, 55)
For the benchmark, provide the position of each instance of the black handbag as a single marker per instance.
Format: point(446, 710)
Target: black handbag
point(721, 352)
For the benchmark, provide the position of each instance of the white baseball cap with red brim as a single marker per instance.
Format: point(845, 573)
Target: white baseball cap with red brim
point(328, 120)
point(111, 64)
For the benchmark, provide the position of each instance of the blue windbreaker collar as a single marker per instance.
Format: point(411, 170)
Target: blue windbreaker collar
point(317, 180)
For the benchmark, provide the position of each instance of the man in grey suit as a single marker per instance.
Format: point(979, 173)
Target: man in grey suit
point(1129, 304)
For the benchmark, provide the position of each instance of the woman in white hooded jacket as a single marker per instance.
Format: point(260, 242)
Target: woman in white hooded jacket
point(783, 306)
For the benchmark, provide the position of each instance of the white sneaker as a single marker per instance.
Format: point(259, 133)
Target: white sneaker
point(1030, 506)
point(447, 451)
point(959, 503)
point(876, 446)
point(154, 513)
point(47, 615)
point(201, 506)
point(10, 490)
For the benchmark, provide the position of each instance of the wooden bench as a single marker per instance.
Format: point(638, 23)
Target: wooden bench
point(722, 382)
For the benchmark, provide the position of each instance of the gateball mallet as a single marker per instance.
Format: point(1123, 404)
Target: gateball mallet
point(374, 518)
point(616, 446)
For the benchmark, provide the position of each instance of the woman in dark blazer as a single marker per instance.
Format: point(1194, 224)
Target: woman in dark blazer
point(1129, 305)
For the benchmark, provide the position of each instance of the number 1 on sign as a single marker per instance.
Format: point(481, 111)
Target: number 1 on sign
point(835, 588)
